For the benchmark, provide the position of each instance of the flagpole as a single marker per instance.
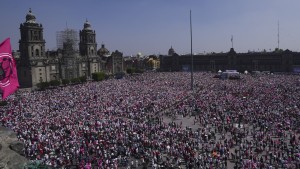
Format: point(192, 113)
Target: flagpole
point(231, 41)
point(192, 66)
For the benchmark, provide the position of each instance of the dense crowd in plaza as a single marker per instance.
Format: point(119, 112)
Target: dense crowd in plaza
point(155, 120)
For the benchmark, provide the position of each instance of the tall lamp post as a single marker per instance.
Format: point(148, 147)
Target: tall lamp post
point(192, 64)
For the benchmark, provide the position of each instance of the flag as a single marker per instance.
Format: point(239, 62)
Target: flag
point(8, 72)
point(231, 38)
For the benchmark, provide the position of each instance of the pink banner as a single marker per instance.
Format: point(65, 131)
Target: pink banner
point(8, 72)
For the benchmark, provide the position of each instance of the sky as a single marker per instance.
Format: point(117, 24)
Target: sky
point(153, 26)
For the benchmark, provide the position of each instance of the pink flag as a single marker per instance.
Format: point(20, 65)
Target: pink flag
point(8, 72)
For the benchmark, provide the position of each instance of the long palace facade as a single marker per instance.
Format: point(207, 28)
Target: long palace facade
point(276, 61)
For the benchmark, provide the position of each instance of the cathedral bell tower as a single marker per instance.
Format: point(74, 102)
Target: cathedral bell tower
point(88, 50)
point(32, 66)
point(31, 44)
point(87, 44)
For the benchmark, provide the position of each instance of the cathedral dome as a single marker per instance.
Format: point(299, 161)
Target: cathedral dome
point(103, 51)
point(30, 18)
point(171, 51)
point(87, 25)
point(139, 54)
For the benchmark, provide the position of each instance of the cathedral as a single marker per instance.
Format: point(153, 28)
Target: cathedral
point(36, 65)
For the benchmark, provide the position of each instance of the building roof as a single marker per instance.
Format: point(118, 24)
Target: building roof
point(30, 18)
point(171, 51)
point(87, 25)
point(103, 51)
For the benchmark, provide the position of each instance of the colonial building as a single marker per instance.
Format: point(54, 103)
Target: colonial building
point(88, 50)
point(33, 65)
point(36, 65)
point(111, 63)
point(276, 61)
point(153, 62)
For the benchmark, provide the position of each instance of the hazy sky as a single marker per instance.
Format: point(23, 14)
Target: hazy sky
point(153, 26)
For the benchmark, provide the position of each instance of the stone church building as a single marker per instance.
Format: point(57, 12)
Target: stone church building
point(36, 65)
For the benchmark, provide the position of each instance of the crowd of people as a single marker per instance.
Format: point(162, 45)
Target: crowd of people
point(155, 120)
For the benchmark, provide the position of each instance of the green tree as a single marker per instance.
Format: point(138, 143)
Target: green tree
point(54, 83)
point(82, 79)
point(99, 76)
point(43, 85)
point(129, 70)
point(139, 71)
point(75, 80)
point(65, 81)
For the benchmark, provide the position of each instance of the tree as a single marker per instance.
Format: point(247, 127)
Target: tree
point(43, 85)
point(82, 79)
point(75, 80)
point(139, 71)
point(54, 83)
point(65, 81)
point(99, 76)
point(130, 70)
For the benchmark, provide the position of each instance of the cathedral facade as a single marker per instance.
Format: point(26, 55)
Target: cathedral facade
point(36, 65)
